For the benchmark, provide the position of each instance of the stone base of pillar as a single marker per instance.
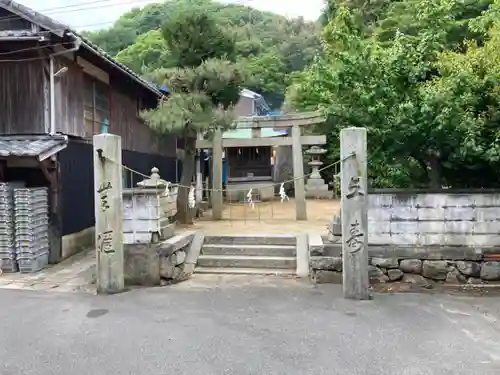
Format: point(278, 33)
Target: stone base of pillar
point(317, 188)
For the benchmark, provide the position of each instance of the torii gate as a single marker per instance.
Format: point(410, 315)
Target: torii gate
point(256, 123)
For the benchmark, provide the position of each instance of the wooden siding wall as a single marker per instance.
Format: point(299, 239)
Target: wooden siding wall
point(136, 134)
point(124, 120)
point(22, 97)
point(69, 99)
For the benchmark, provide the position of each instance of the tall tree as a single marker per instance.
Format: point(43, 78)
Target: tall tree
point(194, 36)
point(147, 54)
point(203, 88)
point(136, 40)
point(431, 114)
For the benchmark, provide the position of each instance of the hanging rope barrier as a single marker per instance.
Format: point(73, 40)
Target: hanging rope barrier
point(272, 185)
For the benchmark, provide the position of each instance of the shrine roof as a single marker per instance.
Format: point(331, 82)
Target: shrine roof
point(247, 133)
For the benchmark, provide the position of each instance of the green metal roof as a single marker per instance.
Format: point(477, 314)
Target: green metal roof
point(247, 133)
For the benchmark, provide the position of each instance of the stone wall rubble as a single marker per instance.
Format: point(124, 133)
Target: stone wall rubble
point(169, 261)
point(178, 257)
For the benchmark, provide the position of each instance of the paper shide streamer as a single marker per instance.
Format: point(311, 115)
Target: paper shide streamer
point(250, 199)
point(282, 193)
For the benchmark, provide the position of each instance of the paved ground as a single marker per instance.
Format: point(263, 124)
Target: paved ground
point(72, 275)
point(209, 326)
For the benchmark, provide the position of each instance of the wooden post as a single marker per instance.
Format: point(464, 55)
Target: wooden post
point(108, 213)
point(354, 213)
point(217, 175)
point(298, 172)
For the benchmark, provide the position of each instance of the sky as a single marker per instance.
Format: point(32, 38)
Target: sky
point(95, 14)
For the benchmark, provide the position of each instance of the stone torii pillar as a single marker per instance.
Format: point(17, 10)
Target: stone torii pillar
point(298, 173)
point(217, 155)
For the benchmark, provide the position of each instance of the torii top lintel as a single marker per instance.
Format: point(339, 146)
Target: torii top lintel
point(281, 121)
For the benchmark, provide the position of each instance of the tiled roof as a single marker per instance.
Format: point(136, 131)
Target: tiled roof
point(39, 146)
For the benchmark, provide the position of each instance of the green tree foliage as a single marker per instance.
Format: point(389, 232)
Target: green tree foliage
point(201, 95)
point(403, 17)
point(193, 37)
point(367, 13)
point(147, 54)
point(431, 112)
point(291, 44)
point(265, 73)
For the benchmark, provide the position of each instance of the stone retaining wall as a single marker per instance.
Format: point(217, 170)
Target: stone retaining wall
point(385, 270)
point(412, 264)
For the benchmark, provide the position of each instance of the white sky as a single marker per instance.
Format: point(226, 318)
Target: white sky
point(94, 14)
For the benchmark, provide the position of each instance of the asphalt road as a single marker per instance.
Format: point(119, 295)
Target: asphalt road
point(281, 328)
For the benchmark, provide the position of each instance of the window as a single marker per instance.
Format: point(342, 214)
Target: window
point(95, 107)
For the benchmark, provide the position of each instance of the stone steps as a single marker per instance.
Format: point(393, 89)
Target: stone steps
point(250, 250)
point(246, 271)
point(269, 239)
point(244, 261)
point(248, 255)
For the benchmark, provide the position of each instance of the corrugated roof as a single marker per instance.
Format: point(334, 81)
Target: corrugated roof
point(39, 146)
point(62, 31)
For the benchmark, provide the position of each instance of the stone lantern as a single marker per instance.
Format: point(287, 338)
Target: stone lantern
point(316, 186)
point(154, 181)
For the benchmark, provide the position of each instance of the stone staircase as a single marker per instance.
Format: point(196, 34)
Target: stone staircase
point(249, 255)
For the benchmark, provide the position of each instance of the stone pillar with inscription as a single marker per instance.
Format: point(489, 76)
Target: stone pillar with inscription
point(108, 213)
point(354, 213)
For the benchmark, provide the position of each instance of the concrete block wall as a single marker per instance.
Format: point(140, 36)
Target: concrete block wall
point(447, 218)
point(145, 215)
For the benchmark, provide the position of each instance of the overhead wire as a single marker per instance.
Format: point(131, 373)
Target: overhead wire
point(83, 6)
point(239, 2)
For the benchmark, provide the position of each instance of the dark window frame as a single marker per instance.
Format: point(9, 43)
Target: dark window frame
point(96, 105)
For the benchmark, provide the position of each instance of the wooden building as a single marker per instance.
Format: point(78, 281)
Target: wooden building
point(57, 90)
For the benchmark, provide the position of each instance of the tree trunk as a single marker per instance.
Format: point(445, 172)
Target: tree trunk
point(431, 164)
point(184, 213)
point(434, 173)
